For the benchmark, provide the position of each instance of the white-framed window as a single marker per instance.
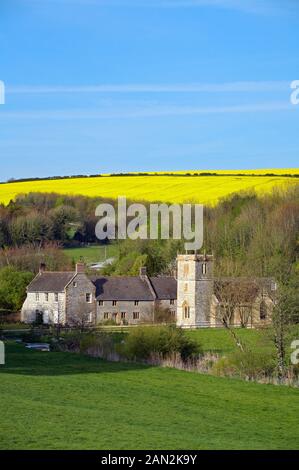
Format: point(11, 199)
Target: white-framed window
point(46, 316)
point(56, 297)
point(37, 296)
point(88, 298)
point(75, 284)
point(273, 286)
point(136, 315)
point(123, 315)
point(136, 302)
point(171, 301)
point(106, 315)
point(172, 313)
point(46, 297)
point(101, 303)
point(114, 303)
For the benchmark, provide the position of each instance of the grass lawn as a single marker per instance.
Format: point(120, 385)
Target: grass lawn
point(220, 341)
point(92, 254)
point(66, 401)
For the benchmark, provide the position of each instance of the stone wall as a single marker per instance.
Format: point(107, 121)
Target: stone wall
point(77, 307)
point(108, 311)
point(254, 317)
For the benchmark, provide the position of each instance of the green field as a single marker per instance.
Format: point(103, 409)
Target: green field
point(66, 401)
point(220, 341)
point(92, 254)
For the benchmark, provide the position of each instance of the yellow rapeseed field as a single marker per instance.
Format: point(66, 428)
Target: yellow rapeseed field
point(174, 188)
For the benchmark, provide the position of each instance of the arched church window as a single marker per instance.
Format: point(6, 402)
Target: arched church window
point(263, 311)
point(186, 311)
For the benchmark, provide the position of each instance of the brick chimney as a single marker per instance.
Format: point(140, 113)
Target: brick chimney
point(80, 268)
point(42, 268)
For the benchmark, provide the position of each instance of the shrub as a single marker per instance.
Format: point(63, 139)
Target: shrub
point(102, 344)
point(163, 315)
point(70, 341)
point(109, 322)
point(247, 364)
point(32, 336)
point(13, 288)
point(143, 342)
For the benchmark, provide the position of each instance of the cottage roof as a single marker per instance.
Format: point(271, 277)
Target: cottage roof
point(50, 281)
point(165, 287)
point(151, 288)
point(135, 288)
point(122, 288)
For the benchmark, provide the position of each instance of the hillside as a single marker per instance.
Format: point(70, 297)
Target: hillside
point(175, 187)
point(67, 401)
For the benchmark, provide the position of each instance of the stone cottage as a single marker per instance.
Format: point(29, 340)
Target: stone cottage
point(73, 297)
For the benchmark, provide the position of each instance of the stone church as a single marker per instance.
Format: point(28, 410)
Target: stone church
point(193, 298)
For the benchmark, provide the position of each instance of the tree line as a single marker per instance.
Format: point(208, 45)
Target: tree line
point(249, 235)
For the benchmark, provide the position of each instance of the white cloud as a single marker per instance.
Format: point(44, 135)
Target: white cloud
point(144, 112)
point(233, 87)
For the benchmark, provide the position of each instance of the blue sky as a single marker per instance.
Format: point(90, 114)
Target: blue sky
point(133, 85)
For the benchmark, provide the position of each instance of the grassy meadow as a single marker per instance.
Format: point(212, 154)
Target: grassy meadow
point(68, 401)
point(92, 254)
point(158, 187)
point(220, 341)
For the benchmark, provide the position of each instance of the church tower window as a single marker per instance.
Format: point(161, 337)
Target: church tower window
point(186, 311)
point(263, 311)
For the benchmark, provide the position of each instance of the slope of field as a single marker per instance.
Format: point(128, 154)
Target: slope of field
point(67, 401)
point(91, 254)
point(174, 188)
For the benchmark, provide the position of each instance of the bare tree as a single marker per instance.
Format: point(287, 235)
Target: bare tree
point(235, 297)
point(163, 315)
point(245, 314)
point(83, 317)
point(285, 314)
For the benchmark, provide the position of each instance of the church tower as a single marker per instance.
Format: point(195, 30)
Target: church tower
point(194, 290)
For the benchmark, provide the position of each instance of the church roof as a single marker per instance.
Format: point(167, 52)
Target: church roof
point(246, 290)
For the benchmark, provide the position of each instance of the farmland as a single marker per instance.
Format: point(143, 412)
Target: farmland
point(68, 401)
point(176, 187)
